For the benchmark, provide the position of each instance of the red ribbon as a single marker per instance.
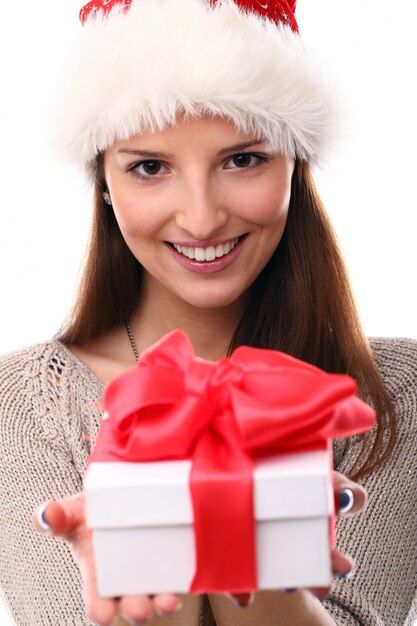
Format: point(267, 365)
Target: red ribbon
point(222, 415)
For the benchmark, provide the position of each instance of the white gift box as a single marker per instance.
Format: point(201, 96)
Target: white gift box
point(142, 520)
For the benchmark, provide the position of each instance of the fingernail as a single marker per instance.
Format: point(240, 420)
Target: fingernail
point(178, 607)
point(131, 621)
point(344, 575)
point(160, 613)
point(249, 601)
point(346, 500)
point(40, 517)
point(241, 600)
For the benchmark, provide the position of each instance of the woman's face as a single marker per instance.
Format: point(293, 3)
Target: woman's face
point(201, 206)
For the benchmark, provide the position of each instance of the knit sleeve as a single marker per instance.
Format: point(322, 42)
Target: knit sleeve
point(39, 578)
point(383, 539)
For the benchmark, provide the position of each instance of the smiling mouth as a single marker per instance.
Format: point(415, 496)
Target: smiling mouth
point(209, 253)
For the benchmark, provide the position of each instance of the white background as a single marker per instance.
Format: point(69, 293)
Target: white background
point(369, 187)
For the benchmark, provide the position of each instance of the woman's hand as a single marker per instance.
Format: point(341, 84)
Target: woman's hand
point(66, 518)
point(350, 499)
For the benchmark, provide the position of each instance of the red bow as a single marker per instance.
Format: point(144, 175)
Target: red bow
point(222, 415)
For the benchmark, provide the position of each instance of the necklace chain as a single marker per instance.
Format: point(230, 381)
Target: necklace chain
point(132, 340)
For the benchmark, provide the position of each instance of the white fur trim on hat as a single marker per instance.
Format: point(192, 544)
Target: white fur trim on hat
point(134, 71)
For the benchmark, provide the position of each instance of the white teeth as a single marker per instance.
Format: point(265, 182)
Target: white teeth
point(210, 253)
point(199, 254)
point(207, 254)
point(219, 250)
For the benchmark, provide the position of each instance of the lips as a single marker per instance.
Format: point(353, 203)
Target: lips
point(211, 258)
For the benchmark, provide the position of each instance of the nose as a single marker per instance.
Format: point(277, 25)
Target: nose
point(201, 210)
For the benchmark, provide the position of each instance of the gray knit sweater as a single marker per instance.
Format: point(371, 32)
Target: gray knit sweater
point(49, 415)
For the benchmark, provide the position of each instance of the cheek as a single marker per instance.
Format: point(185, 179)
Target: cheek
point(268, 205)
point(138, 216)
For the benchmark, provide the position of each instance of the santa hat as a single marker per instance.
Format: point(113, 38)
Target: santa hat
point(137, 64)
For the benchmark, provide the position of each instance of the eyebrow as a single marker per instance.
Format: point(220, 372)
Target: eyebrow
point(241, 146)
point(166, 155)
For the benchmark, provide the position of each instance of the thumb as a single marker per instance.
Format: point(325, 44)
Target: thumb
point(62, 518)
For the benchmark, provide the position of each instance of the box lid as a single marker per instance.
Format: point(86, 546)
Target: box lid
point(157, 493)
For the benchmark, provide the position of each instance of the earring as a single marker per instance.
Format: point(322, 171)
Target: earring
point(106, 197)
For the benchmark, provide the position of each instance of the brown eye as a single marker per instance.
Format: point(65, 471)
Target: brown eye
point(242, 160)
point(146, 170)
point(246, 161)
point(150, 167)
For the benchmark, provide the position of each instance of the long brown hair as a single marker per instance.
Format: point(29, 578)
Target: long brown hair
point(301, 303)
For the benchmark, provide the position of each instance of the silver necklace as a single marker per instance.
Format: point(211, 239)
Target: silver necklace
point(132, 341)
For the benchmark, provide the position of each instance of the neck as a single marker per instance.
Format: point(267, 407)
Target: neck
point(210, 330)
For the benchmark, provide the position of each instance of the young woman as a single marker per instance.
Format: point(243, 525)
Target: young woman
point(198, 122)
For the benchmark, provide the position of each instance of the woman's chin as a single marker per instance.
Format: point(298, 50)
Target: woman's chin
point(211, 301)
